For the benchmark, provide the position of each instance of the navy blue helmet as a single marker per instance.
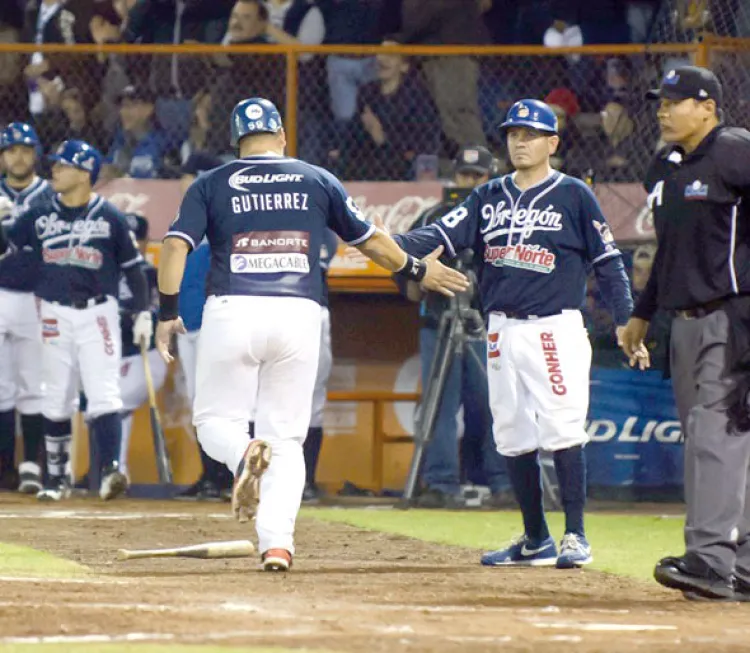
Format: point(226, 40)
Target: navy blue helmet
point(254, 116)
point(80, 155)
point(534, 114)
point(18, 133)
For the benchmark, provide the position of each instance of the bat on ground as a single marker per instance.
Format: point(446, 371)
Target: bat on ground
point(230, 549)
point(160, 445)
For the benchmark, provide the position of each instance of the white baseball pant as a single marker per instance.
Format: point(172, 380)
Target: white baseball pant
point(538, 376)
point(187, 347)
point(276, 339)
point(325, 362)
point(20, 353)
point(81, 344)
point(134, 393)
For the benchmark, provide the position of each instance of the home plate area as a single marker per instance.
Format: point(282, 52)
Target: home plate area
point(349, 590)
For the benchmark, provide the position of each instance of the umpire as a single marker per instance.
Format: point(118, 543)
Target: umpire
point(699, 188)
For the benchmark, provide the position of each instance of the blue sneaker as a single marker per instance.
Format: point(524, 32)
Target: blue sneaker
point(575, 552)
point(523, 552)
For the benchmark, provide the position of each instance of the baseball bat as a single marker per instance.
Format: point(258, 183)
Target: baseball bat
point(230, 549)
point(160, 444)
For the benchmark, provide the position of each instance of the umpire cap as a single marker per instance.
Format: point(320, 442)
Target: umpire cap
point(254, 116)
point(18, 133)
point(688, 82)
point(81, 155)
point(138, 225)
point(534, 114)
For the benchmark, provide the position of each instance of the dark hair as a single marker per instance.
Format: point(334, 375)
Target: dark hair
point(262, 7)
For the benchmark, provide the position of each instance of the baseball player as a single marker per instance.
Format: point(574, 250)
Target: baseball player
point(314, 439)
point(265, 216)
point(83, 243)
point(537, 232)
point(133, 388)
point(20, 326)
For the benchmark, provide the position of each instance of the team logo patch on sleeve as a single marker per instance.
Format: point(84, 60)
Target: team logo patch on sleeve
point(493, 346)
point(270, 252)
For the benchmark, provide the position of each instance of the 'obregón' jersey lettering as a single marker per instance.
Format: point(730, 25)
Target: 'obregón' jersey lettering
point(266, 219)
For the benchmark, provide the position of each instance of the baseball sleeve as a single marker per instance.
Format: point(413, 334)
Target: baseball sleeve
point(456, 231)
point(344, 216)
point(735, 153)
point(598, 239)
point(192, 218)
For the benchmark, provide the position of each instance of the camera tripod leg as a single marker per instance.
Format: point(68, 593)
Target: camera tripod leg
point(432, 396)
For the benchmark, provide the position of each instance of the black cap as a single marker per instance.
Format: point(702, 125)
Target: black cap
point(136, 92)
point(688, 82)
point(474, 158)
point(138, 225)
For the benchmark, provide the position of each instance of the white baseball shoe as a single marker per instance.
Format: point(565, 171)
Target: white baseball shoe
point(246, 490)
point(30, 478)
point(114, 483)
point(57, 489)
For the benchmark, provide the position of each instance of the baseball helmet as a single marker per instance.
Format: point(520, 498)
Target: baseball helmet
point(255, 115)
point(18, 133)
point(531, 113)
point(81, 155)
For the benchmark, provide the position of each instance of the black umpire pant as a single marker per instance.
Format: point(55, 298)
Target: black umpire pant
point(717, 489)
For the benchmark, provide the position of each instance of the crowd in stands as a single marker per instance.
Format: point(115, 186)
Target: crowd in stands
point(363, 117)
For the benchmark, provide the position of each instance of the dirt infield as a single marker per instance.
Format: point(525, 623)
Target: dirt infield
point(350, 590)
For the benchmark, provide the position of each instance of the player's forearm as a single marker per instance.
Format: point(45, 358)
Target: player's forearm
point(174, 253)
point(420, 242)
point(615, 287)
point(136, 278)
point(384, 251)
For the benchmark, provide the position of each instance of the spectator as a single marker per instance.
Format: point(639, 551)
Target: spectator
point(452, 81)
point(565, 105)
point(240, 76)
point(643, 261)
point(200, 127)
point(13, 102)
point(295, 21)
point(138, 148)
point(349, 22)
point(396, 122)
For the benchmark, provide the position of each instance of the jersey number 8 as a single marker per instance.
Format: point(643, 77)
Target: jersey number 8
point(454, 217)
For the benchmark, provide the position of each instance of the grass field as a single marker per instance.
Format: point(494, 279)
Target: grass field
point(623, 544)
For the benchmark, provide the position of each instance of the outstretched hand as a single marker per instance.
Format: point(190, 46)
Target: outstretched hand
point(440, 278)
point(164, 331)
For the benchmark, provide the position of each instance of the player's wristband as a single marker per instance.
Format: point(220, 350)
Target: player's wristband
point(168, 307)
point(414, 269)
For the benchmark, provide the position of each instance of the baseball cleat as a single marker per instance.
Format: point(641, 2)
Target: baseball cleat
point(57, 489)
point(30, 478)
point(276, 560)
point(246, 490)
point(575, 552)
point(523, 552)
point(114, 483)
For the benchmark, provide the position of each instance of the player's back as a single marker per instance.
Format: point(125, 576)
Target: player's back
point(265, 218)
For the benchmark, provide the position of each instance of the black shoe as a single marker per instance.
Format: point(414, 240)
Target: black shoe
point(691, 574)
point(311, 494)
point(433, 499)
point(741, 594)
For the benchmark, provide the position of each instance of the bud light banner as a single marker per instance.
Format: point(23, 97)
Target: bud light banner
point(634, 430)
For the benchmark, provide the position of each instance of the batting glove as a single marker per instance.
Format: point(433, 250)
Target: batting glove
point(143, 328)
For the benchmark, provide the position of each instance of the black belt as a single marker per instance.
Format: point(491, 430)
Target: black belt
point(515, 315)
point(700, 311)
point(81, 304)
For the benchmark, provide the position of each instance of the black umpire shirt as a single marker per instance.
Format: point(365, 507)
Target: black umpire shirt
point(701, 207)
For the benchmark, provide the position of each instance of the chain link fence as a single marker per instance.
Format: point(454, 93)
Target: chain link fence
point(390, 116)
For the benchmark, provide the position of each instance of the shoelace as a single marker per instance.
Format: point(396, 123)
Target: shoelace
point(573, 542)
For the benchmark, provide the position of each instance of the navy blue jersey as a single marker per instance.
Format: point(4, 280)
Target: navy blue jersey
point(327, 252)
point(82, 249)
point(21, 272)
point(534, 248)
point(193, 287)
point(128, 309)
point(265, 218)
